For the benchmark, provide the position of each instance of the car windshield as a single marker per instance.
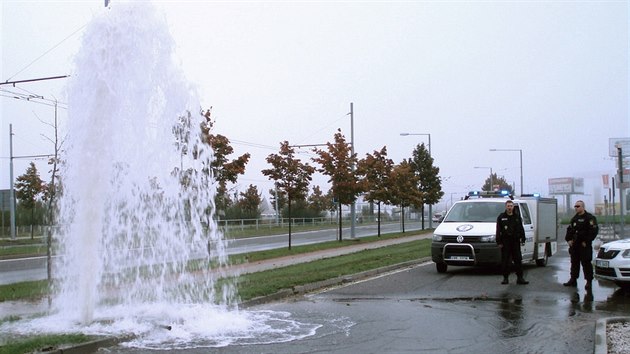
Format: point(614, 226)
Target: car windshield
point(475, 212)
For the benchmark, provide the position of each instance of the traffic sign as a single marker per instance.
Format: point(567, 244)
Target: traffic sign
point(5, 200)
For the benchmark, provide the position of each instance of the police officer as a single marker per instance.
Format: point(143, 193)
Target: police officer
point(510, 235)
point(581, 232)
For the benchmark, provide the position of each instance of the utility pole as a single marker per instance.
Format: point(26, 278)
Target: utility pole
point(353, 207)
point(11, 190)
point(621, 185)
point(277, 211)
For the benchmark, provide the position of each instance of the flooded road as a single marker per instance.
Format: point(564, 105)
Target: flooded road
point(465, 310)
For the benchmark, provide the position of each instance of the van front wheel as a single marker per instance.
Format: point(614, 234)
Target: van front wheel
point(441, 267)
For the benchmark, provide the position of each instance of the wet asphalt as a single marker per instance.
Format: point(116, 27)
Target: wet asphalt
point(466, 310)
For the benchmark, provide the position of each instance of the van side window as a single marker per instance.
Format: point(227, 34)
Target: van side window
point(524, 209)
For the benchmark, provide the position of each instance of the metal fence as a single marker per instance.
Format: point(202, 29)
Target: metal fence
point(252, 224)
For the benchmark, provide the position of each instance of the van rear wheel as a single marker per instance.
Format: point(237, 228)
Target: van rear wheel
point(441, 267)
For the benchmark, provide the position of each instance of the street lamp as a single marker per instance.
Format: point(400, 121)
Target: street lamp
point(429, 135)
point(451, 199)
point(491, 177)
point(520, 151)
point(430, 206)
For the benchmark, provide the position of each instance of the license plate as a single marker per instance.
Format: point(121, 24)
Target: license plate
point(460, 258)
point(601, 264)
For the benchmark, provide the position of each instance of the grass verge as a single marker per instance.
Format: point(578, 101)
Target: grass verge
point(269, 282)
point(43, 343)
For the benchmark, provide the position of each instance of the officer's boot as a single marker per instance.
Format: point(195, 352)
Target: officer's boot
point(589, 285)
point(521, 281)
point(571, 282)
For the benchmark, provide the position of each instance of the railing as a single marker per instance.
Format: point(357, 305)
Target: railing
point(23, 231)
point(252, 224)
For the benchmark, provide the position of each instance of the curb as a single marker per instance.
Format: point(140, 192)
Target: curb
point(89, 347)
point(601, 338)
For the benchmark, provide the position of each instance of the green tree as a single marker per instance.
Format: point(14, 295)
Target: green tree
point(332, 203)
point(337, 163)
point(404, 188)
point(318, 202)
point(376, 169)
point(429, 183)
point(29, 187)
point(249, 202)
point(494, 180)
point(290, 175)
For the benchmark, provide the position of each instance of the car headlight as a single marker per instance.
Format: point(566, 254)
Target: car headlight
point(626, 254)
point(437, 238)
point(489, 238)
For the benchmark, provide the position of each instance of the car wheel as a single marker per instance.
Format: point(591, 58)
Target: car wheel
point(441, 267)
point(542, 261)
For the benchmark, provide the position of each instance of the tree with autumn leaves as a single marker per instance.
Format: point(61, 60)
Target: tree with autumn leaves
point(376, 170)
point(290, 175)
point(223, 169)
point(338, 162)
point(29, 190)
point(404, 188)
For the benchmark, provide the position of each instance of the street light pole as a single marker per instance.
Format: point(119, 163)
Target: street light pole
point(353, 224)
point(451, 200)
point(520, 152)
point(11, 187)
point(491, 177)
point(430, 206)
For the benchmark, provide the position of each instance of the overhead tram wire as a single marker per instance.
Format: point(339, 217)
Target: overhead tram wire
point(246, 143)
point(52, 101)
point(46, 52)
point(32, 98)
point(322, 129)
point(274, 148)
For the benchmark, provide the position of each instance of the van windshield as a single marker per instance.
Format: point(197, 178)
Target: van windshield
point(475, 212)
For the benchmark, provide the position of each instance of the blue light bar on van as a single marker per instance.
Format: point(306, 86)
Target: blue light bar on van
point(535, 195)
point(489, 194)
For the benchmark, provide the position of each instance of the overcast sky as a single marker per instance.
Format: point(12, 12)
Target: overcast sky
point(547, 77)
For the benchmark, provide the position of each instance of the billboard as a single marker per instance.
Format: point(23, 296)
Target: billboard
point(624, 143)
point(566, 185)
point(5, 200)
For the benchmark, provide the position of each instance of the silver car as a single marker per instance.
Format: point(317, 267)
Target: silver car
point(613, 263)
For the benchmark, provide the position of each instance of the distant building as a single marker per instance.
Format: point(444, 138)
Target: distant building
point(266, 210)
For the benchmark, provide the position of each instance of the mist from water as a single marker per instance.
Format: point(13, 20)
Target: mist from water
point(140, 250)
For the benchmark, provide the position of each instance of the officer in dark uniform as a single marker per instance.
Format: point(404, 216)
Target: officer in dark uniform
point(581, 232)
point(510, 235)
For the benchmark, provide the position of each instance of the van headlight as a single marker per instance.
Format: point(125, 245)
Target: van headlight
point(626, 254)
point(437, 238)
point(489, 238)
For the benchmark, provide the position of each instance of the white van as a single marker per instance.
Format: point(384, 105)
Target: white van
point(467, 235)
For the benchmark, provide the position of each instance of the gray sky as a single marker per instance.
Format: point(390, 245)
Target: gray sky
point(547, 77)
